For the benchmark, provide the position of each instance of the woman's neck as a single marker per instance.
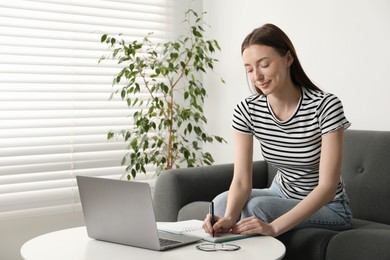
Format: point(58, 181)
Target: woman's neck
point(285, 102)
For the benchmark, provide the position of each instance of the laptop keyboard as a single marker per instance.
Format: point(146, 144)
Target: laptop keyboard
point(168, 242)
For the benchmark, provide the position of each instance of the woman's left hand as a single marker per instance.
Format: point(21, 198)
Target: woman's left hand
point(253, 225)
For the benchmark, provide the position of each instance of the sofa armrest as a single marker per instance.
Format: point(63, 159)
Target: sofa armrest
point(359, 244)
point(179, 187)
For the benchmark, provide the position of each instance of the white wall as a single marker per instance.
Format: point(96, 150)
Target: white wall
point(342, 45)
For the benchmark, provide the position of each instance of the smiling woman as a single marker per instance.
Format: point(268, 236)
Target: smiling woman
point(300, 129)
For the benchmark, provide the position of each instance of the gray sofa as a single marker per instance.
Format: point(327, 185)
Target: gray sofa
point(185, 194)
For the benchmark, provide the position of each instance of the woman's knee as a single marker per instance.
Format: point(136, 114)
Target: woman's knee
point(267, 208)
point(220, 204)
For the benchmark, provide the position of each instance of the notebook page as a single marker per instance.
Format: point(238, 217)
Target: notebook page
point(180, 226)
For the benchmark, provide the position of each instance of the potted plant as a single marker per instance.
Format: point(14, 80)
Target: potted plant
point(169, 130)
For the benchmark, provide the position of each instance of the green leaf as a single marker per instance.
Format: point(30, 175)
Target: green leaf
point(220, 139)
point(146, 145)
point(134, 144)
point(163, 160)
point(186, 154)
point(123, 161)
point(217, 45)
point(133, 173)
point(103, 38)
point(110, 135)
point(211, 47)
point(189, 127)
point(113, 40)
point(196, 33)
point(186, 95)
point(189, 54)
point(198, 130)
point(165, 88)
point(174, 55)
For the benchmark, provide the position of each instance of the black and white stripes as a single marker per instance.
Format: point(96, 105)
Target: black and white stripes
point(293, 146)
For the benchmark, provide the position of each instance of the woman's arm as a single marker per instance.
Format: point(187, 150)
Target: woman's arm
point(240, 187)
point(329, 177)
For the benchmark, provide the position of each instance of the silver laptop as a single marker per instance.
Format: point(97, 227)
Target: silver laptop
point(122, 212)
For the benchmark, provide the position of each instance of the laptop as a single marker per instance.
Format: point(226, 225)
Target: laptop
point(122, 212)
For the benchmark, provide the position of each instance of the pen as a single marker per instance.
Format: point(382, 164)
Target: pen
point(211, 211)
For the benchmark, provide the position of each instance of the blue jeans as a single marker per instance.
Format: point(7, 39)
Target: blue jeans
point(268, 204)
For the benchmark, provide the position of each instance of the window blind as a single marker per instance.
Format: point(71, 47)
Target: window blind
point(55, 110)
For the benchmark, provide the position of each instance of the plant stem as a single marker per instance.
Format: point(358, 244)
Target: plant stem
point(170, 160)
point(184, 68)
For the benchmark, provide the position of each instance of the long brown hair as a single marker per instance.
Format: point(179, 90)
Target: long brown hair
point(272, 36)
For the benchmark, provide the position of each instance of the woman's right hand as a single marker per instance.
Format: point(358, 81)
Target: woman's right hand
point(222, 225)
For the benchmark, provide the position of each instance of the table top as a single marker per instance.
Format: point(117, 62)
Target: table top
point(75, 244)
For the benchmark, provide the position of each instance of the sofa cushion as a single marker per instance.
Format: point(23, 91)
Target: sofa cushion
point(366, 173)
point(306, 243)
point(194, 210)
point(365, 224)
point(360, 244)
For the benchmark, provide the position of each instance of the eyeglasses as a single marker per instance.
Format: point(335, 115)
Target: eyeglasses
point(210, 247)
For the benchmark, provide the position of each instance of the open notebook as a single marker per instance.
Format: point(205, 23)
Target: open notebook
point(194, 228)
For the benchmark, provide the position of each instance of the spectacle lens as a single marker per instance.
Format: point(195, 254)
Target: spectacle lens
point(210, 247)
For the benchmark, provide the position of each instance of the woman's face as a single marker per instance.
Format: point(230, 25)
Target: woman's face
point(266, 68)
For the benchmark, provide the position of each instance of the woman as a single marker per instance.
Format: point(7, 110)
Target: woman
point(300, 129)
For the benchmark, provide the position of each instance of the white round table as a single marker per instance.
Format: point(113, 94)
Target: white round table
point(74, 244)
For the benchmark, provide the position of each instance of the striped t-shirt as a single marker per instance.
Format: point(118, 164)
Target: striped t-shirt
point(293, 146)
